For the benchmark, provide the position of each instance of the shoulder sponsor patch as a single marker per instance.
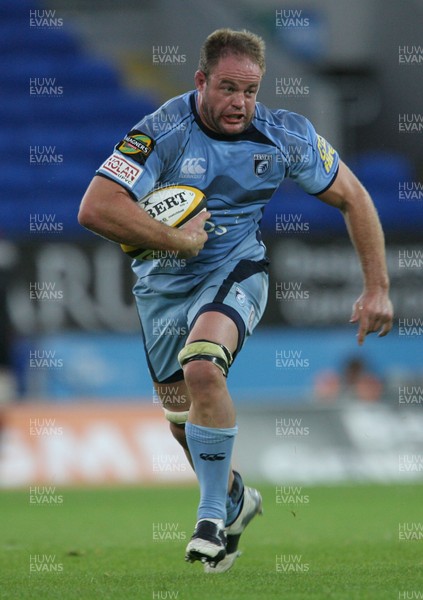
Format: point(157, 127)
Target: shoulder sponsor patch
point(137, 145)
point(122, 169)
point(326, 152)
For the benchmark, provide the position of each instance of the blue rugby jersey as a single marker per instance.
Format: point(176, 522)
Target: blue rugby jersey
point(238, 174)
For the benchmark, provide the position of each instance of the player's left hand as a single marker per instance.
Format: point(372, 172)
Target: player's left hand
point(373, 312)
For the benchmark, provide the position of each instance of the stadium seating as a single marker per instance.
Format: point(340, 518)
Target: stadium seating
point(381, 173)
point(87, 109)
point(84, 112)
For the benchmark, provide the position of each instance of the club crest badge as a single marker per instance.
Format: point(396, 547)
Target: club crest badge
point(262, 164)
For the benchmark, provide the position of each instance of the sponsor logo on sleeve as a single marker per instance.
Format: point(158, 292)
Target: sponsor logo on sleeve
point(122, 169)
point(240, 296)
point(326, 152)
point(137, 145)
point(251, 318)
point(262, 164)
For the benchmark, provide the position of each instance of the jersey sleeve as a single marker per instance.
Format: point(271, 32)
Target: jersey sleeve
point(135, 163)
point(145, 157)
point(315, 165)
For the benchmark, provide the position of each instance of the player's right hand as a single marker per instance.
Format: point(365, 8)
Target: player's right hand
point(194, 236)
point(373, 312)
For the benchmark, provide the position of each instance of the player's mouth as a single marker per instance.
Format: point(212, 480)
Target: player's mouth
point(234, 118)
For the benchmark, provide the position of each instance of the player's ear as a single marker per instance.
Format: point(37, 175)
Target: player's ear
point(200, 80)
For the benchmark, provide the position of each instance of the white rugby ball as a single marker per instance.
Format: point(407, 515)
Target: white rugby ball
point(173, 205)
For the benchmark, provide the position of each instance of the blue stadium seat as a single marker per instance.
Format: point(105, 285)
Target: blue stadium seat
point(381, 174)
point(41, 42)
point(73, 76)
point(10, 9)
point(382, 168)
point(100, 110)
point(72, 142)
point(70, 128)
point(17, 181)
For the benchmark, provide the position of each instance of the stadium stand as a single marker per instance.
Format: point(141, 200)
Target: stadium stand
point(64, 112)
point(60, 99)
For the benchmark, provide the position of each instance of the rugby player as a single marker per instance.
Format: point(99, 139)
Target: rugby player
point(219, 139)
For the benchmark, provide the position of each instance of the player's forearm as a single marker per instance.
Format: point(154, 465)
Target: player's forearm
point(348, 195)
point(111, 213)
point(367, 237)
point(135, 228)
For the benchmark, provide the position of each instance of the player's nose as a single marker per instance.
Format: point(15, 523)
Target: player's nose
point(237, 101)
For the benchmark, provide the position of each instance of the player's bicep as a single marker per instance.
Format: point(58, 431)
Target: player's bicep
point(100, 197)
point(343, 189)
point(102, 191)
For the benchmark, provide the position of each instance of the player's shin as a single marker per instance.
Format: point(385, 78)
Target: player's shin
point(211, 452)
point(234, 488)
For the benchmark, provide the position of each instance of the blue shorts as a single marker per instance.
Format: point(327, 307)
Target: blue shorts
point(239, 290)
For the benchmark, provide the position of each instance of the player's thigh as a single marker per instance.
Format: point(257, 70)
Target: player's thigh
point(216, 327)
point(228, 310)
point(163, 320)
point(225, 313)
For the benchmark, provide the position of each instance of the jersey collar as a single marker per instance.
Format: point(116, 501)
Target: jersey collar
point(245, 135)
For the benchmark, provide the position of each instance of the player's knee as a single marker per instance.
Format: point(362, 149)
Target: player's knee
point(201, 375)
point(205, 364)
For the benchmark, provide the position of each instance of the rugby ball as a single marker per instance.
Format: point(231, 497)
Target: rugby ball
point(173, 205)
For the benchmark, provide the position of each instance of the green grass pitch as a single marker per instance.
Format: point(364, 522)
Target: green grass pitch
point(340, 542)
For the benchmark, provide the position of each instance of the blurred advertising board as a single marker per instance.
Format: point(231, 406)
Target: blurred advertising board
point(48, 286)
point(55, 447)
point(88, 444)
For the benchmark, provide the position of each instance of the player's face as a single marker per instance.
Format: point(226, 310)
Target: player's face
point(227, 99)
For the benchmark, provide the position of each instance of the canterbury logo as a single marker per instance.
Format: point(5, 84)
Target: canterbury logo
point(192, 166)
point(213, 457)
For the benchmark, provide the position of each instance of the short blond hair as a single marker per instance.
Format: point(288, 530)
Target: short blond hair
point(224, 42)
